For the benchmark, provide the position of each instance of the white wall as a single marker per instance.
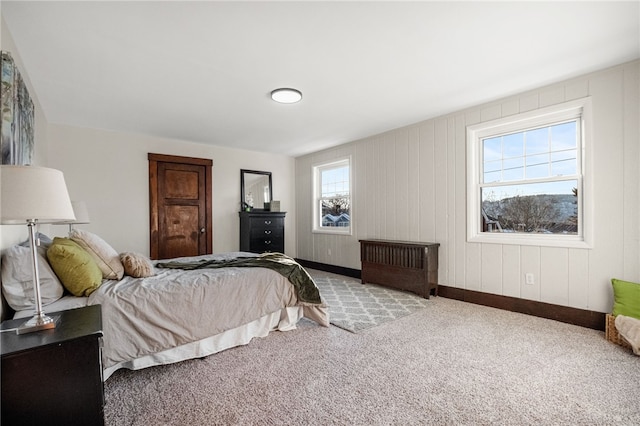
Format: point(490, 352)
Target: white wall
point(110, 172)
point(12, 234)
point(410, 184)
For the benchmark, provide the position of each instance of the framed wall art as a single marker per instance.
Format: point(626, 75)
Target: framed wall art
point(17, 121)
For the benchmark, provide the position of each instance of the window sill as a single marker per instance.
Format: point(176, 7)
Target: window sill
point(565, 241)
point(332, 231)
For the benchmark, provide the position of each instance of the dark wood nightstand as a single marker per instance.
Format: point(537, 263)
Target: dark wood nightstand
point(54, 376)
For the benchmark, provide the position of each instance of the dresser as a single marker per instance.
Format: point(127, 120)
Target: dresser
point(54, 377)
point(262, 231)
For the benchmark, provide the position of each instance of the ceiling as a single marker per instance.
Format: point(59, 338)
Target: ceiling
point(202, 71)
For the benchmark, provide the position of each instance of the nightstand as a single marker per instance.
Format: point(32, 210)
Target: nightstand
point(54, 376)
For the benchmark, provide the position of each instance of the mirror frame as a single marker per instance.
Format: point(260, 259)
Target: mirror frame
point(242, 186)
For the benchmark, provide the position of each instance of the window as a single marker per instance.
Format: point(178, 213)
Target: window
point(332, 197)
point(526, 182)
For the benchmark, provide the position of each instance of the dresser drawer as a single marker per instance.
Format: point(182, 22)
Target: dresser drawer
point(267, 233)
point(264, 245)
point(267, 223)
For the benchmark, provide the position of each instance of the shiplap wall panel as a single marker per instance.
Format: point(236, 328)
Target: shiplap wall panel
point(387, 181)
point(530, 262)
point(511, 270)
point(448, 250)
point(458, 238)
point(578, 278)
point(576, 89)
point(359, 199)
point(606, 259)
point(410, 183)
point(414, 189)
point(491, 112)
point(441, 193)
point(551, 96)
point(529, 102)
point(427, 183)
point(554, 275)
point(631, 173)
point(510, 107)
point(473, 267)
point(403, 199)
point(378, 196)
point(491, 269)
point(303, 210)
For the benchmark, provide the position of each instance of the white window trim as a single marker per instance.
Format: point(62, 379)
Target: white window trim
point(543, 116)
point(316, 227)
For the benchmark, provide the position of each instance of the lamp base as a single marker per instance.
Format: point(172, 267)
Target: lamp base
point(37, 323)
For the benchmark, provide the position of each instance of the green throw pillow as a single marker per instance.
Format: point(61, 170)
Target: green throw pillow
point(626, 298)
point(77, 270)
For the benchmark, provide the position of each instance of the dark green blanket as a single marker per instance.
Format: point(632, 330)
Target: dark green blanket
point(306, 288)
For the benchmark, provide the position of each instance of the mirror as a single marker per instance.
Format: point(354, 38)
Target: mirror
point(255, 189)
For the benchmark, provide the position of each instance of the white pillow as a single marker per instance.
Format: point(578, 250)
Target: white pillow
point(17, 278)
point(105, 256)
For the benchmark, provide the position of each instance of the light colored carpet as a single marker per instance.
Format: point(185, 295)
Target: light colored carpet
point(356, 307)
point(453, 363)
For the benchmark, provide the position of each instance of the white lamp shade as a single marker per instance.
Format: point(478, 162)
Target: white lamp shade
point(81, 212)
point(33, 193)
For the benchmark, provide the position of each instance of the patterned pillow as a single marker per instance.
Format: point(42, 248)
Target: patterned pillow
point(101, 252)
point(137, 265)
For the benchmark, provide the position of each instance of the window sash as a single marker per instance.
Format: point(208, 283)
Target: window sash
point(320, 197)
point(549, 153)
point(578, 111)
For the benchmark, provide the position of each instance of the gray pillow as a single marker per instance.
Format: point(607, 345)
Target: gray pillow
point(17, 278)
point(45, 241)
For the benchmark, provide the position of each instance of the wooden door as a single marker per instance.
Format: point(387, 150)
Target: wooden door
point(180, 206)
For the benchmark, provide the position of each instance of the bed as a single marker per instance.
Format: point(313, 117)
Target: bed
point(177, 313)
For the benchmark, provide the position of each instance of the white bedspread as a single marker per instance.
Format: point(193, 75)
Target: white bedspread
point(145, 316)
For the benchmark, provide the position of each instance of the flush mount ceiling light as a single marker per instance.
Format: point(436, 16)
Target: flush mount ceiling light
point(286, 95)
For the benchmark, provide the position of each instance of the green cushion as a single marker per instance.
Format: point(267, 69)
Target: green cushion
point(626, 298)
point(77, 270)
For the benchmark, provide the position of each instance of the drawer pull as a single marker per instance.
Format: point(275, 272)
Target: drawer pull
point(267, 241)
point(267, 222)
point(267, 231)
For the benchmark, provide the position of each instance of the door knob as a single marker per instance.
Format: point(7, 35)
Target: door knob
point(202, 230)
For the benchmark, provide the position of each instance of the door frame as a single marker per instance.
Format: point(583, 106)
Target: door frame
point(154, 225)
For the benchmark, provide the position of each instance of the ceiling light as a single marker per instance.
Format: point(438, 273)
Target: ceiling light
point(286, 95)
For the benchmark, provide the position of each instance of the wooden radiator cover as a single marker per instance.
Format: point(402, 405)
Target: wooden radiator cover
point(405, 265)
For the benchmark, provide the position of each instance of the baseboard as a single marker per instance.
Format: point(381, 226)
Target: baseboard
point(575, 316)
point(341, 270)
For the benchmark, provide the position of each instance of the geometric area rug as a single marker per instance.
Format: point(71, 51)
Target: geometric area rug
point(355, 307)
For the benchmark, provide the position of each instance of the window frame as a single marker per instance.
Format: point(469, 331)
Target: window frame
point(547, 116)
point(317, 195)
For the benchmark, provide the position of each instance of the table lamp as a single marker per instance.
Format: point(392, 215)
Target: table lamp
point(81, 213)
point(30, 195)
